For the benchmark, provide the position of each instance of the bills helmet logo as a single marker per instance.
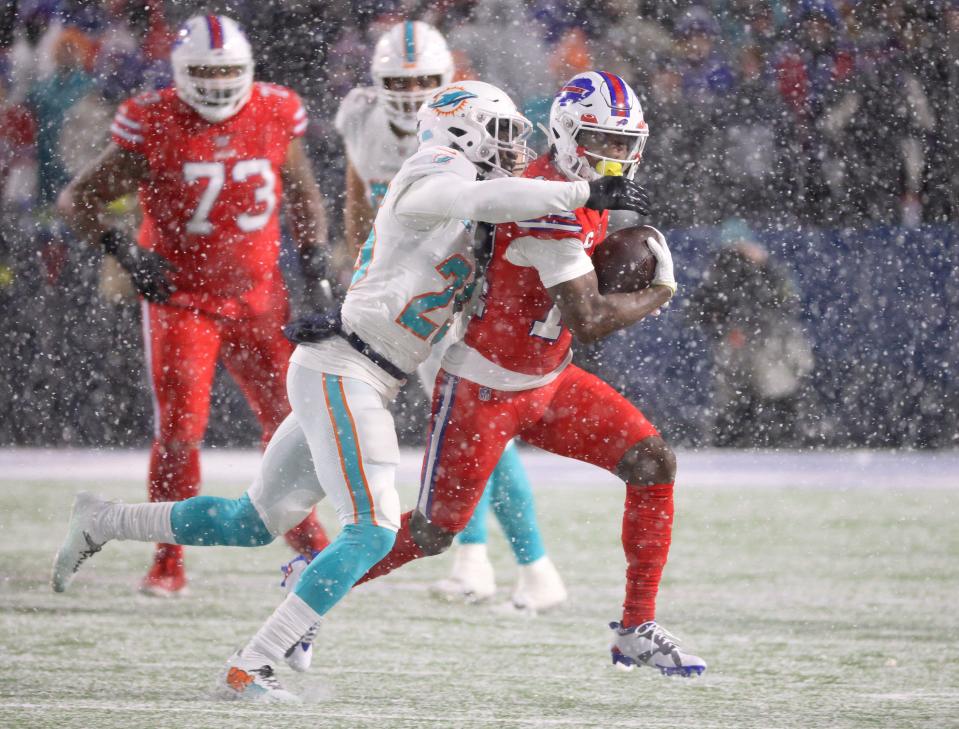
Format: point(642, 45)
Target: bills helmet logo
point(576, 90)
point(450, 101)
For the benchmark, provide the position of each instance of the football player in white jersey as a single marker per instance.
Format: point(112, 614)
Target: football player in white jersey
point(378, 126)
point(378, 123)
point(339, 441)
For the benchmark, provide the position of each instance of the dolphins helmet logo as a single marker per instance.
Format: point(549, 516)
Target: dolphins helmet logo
point(450, 100)
point(576, 90)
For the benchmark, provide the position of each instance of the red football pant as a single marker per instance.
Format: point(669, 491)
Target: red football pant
point(182, 348)
point(578, 416)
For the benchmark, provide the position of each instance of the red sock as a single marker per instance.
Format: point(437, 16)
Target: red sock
point(174, 472)
point(404, 550)
point(647, 533)
point(308, 536)
point(174, 476)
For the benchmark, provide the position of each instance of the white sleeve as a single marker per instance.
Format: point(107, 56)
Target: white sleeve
point(502, 200)
point(556, 261)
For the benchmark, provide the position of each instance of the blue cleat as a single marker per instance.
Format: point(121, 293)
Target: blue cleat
point(651, 645)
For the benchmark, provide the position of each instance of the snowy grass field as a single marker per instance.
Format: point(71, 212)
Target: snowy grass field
point(822, 589)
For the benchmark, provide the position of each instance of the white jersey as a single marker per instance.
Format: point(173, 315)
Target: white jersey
point(373, 148)
point(415, 270)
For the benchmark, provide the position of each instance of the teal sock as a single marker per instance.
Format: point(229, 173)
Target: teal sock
point(476, 531)
point(512, 502)
point(205, 520)
point(336, 569)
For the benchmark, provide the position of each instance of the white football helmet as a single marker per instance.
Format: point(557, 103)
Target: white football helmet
point(595, 101)
point(411, 49)
point(212, 40)
point(482, 122)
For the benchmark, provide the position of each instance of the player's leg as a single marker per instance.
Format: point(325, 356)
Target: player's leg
point(256, 354)
point(284, 491)
point(466, 438)
point(589, 421)
point(353, 446)
point(472, 578)
point(181, 348)
point(539, 586)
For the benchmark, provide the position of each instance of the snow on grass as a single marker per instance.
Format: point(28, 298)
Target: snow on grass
point(816, 601)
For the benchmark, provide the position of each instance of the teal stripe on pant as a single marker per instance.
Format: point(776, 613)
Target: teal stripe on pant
point(346, 438)
point(510, 494)
point(205, 520)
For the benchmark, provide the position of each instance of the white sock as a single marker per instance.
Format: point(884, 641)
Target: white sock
point(537, 567)
point(473, 552)
point(288, 623)
point(139, 522)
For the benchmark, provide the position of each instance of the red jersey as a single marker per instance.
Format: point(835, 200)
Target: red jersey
point(517, 326)
point(210, 199)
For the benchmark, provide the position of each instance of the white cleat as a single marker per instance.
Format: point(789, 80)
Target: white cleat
point(82, 542)
point(472, 579)
point(539, 587)
point(650, 644)
point(251, 680)
point(300, 656)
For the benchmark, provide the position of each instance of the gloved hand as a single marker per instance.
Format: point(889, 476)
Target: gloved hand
point(617, 193)
point(148, 270)
point(317, 279)
point(664, 263)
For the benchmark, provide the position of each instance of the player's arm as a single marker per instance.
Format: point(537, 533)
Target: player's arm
point(592, 316)
point(115, 173)
point(308, 223)
point(358, 214)
point(507, 199)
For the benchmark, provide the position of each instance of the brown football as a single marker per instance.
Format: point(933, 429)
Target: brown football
point(623, 261)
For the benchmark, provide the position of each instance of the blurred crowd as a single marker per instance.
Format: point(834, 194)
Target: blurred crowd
point(827, 113)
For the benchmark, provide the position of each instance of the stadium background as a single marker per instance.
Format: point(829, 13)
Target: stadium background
point(825, 131)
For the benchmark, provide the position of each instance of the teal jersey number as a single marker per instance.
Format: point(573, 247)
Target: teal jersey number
point(377, 193)
point(455, 269)
point(365, 257)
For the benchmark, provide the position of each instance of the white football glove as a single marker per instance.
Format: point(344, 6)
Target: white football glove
point(664, 263)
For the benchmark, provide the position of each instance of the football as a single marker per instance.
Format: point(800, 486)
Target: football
point(623, 261)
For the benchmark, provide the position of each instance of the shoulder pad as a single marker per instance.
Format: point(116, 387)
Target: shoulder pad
point(267, 89)
point(355, 105)
point(147, 98)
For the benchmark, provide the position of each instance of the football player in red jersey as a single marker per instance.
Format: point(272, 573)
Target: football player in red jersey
point(211, 158)
point(512, 374)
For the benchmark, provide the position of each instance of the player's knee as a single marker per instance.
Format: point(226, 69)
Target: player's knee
point(372, 541)
point(431, 539)
point(649, 462)
point(249, 524)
